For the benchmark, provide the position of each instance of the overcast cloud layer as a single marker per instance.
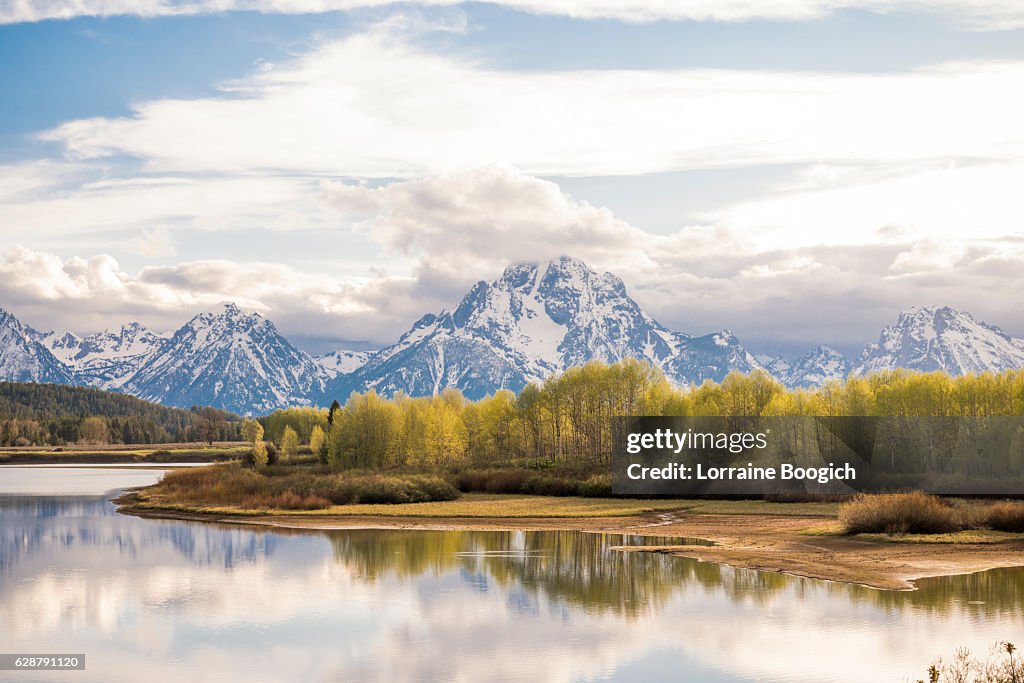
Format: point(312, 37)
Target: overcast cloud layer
point(404, 175)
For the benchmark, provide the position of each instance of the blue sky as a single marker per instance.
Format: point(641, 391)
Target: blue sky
point(798, 172)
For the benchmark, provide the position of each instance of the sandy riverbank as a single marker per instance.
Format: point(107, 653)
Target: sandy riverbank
point(801, 544)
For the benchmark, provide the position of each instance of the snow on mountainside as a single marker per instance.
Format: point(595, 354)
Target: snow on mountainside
point(23, 359)
point(777, 366)
point(228, 359)
point(63, 344)
point(106, 359)
point(530, 323)
point(929, 338)
point(342, 361)
point(819, 365)
point(710, 357)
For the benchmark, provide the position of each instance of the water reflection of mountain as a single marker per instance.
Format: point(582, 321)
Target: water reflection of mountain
point(35, 530)
point(532, 568)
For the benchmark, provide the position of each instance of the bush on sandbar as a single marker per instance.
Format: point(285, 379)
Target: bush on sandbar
point(562, 482)
point(900, 513)
point(1005, 517)
point(246, 488)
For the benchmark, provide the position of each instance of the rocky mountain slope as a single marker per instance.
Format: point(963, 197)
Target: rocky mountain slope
point(228, 359)
point(819, 365)
point(342, 361)
point(106, 359)
point(532, 322)
point(23, 359)
point(929, 338)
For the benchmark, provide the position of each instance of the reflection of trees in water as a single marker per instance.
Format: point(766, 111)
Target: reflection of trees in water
point(997, 592)
point(583, 569)
point(37, 527)
point(579, 568)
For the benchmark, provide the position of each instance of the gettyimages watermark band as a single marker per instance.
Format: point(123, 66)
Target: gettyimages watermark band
point(817, 455)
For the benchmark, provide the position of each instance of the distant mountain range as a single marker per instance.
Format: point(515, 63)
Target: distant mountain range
point(532, 322)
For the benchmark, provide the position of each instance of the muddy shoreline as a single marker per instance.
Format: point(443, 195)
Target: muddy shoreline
point(790, 544)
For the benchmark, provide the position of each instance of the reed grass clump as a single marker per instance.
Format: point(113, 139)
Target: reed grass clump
point(900, 513)
point(1005, 517)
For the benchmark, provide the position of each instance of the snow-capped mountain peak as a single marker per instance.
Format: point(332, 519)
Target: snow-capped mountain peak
point(229, 359)
point(816, 367)
point(927, 338)
point(24, 359)
point(531, 322)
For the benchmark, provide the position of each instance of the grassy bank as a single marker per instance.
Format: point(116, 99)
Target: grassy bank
point(120, 454)
point(302, 486)
point(467, 506)
point(922, 514)
point(292, 487)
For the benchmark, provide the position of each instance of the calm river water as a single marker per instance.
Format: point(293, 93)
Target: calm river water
point(177, 601)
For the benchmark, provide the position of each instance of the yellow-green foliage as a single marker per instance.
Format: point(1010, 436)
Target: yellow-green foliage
point(252, 431)
point(290, 442)
point(302, 420)
point(316, 439)
point(94, 430)
point(260, 457)
point(568, 417)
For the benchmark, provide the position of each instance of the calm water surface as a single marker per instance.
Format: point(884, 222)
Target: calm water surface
point(176, 601)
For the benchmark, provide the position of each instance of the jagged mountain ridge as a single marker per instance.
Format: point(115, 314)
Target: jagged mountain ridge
point(816, 367)
point(228, 359)
point(927, 338)
point(107, 359)
point(23, 359)
point(532, 322)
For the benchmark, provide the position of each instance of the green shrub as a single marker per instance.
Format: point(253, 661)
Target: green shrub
point(493, 481)
point(597, 486)
point(900, 513)
point(1005, 517)
point(552, 481)
point(546, 485)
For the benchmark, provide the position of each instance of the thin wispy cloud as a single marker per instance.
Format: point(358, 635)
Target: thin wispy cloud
point(984, 14)
point(373, 105)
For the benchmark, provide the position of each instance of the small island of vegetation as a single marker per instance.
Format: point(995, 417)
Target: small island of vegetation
point(540, 459)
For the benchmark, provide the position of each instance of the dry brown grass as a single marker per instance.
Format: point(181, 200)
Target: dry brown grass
point(237, 486)
point(1005, 517)
point(900, 513)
